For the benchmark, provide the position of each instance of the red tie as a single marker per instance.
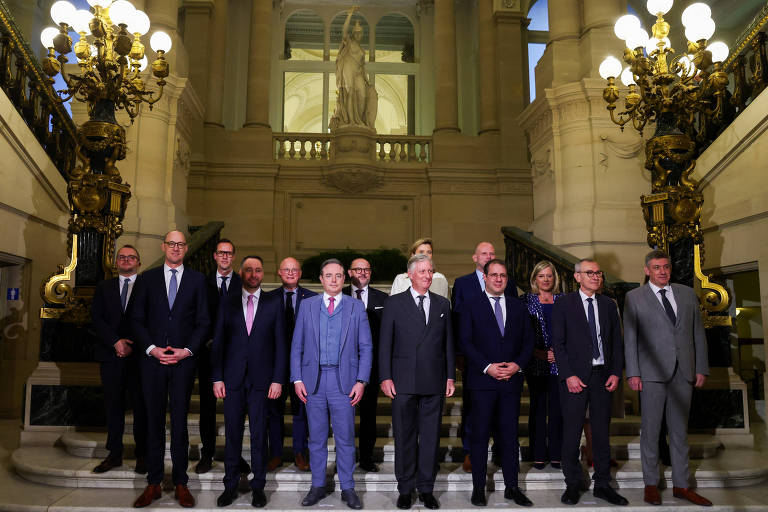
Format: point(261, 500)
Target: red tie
point(330, 305)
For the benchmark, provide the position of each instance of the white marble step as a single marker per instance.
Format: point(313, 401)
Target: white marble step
point(54, 466)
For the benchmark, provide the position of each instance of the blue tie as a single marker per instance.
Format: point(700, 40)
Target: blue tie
point(593, 329)
point(499, 314)
point(173, 287)
point(124, 293)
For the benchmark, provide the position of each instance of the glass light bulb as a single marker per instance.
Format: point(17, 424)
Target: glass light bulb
point(702, 29)
point(626, 76)
point(624, 26)
point(694, 13)
point(81, 20)
point(121, 12)
point(99, 3)
point(658, 6)
point(610, 67)
point(687, 66)
point(719, 51)
point(637, 38)
point(47, 35)
point(160, 41)
point(139, 22)
point(62, 12)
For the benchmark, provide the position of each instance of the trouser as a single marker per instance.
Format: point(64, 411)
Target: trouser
point(416, 426)
point(207, 404)
point(367, 410)
point(120, 378)
point(545, 419)
point(237, 401)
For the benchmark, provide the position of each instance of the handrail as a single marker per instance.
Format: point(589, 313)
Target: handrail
point(201, 245)
point(29, 89)
point(523, 251)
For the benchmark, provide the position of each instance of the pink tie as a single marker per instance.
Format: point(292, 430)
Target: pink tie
point(249, 314)
point(330, 305)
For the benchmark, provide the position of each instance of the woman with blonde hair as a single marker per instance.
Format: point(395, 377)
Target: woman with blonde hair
point(439, 282)
point(543, 381)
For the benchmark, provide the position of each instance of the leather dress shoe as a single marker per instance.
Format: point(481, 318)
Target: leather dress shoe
point(369, 466)
point(404, 501)
point(274, 463)
point(516, 495)
point(478, 497)
point(351, 498)
point(151, 493)
point(301, 462)
point(141, 466)
point(243, 467)
point(226, 498)
point(571, 495)
point(467, 464)
point(204, 465)
point(429, 500)
point(258, 498)
point(314, 495)
point(107, 464)
point(687, 494)
point(183, 496)
point(606, 492)
point(651, 495)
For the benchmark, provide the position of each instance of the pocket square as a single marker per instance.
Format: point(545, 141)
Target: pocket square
point(442, 315)
point(378, 307)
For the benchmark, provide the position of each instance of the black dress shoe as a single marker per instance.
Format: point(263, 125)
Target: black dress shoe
point(539, 465)
point(478, 497)
point(243, 467)
point(226, 498)
point(351, 498)
point(429, 500)
point(141, 466)
point(314, 495)
point(404, 501)
point(516, 495)
point(258, 498)
point(571, 495)
point(605, 492)
point(107, 464)
point(204, 465)
point(368, 466)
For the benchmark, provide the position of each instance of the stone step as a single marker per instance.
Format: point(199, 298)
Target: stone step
point(54, 466)
point(93, 444)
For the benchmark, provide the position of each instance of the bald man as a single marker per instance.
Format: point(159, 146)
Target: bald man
point(291, 295)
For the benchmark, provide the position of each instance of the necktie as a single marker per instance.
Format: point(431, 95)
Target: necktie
point(249, 313)
point(223, 289)
point(668, 306)
point(330, 305)
point(124, 293)
point(593, 329)
point(359, 294)
point(421, 308)
point(173, 287)
point(499, 314)
point(290, 317)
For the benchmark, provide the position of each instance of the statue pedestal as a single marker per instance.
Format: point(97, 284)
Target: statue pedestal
point(353, 167)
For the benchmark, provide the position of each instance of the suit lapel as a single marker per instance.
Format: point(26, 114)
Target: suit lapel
point(656, 304)
point(582, 314)
point(346, 316)
point(413, 310)
point(314, 315)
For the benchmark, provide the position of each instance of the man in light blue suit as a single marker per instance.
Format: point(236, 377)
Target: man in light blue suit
point(331, 354)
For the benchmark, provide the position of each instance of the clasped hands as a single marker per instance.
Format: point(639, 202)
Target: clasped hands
point(173, 356)
point(123, 347)
point(502, 371)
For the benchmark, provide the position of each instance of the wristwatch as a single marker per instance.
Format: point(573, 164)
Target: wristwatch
point(362, 382)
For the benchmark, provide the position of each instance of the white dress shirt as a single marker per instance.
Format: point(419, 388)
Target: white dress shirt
point(256, 296)
point(670, 295)
point(415, 296)
point(363, 294)
point(219, 280)
point(503, 304)
point(327, 300)
point(584, 297)
point(481, 278)
point(167, 274)
point(131, 281)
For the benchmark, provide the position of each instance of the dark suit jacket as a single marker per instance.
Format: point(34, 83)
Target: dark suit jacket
point(375, 310)
point(467, 288)
point(262, 356)
point(109, 320)
point(234, 285)
point(419, 358)
point(301, 294)
point(184, 326)
point(482, 342)
point(572, 342)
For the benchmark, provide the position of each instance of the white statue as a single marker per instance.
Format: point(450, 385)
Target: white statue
point(357, 100)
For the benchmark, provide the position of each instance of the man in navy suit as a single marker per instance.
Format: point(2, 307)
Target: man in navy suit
point(170, 322)
point(496, 337)
point(331, 355)
point(292, 295)
point(587, 340)
point(467, 289)
point(250, 363)
point(112, 303)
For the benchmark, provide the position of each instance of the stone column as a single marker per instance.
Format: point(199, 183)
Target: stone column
point(598, 39)
point(486, 29)
point(197, 30)
point(257, 106)
point(218, 46)
point(561, 60)
point(446, 83)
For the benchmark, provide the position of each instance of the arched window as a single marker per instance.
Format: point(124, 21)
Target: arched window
point(304, 36)
point(538, 35)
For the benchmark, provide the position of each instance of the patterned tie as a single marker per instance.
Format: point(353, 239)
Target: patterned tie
point(290, 316)
point(593, 329)
point(668, 306)
point(331, 300)
point(499, 314)
point(421, 308)
point(223, 289)
point(124, 293)
point(249, 313)
point(173, 287)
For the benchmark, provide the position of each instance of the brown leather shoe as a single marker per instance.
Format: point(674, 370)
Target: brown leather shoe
point(151, 493)
point(467, 465)
point(274, 463)
point(301, 462)
point(184, 497)
point(685, 493)
point(651, 495)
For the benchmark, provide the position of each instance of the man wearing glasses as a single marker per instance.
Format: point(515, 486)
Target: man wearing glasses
point(360, 275)
point(330, 367)
point(171, 323)
point(587, 340)
point(118, 360)
point(292, 296)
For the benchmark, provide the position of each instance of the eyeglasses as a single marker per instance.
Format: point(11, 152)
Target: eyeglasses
point(498, 276)
point(224, 254)
point(290, 270)
point(332, 276)
point(592, 273)
point(359, 270)
point(174, 245)
point(129, 257)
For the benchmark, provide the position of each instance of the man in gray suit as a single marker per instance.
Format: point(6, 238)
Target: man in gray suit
point(666, 356)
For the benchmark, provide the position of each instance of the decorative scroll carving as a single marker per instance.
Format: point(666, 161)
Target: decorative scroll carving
point(354, 180)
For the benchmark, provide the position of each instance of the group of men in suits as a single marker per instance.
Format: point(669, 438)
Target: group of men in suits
point(328, 351)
